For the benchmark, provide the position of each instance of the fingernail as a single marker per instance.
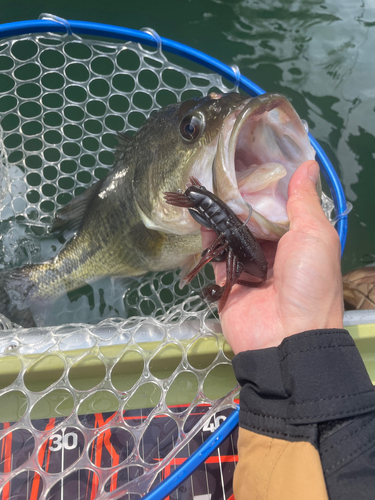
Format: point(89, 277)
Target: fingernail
point(313, 172)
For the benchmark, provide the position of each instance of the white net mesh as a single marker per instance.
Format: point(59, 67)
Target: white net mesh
point(73, 395)
point(62, 102)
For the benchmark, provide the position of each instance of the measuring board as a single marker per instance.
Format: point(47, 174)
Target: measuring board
point(210, 481)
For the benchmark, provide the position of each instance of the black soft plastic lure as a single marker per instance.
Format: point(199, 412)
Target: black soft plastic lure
point(234, 243)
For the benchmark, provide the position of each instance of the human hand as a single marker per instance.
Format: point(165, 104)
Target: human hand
point(305, 289)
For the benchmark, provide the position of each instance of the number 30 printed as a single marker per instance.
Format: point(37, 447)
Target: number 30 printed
point(69, 441)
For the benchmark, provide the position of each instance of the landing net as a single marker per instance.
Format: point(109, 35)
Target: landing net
point(80, 401)
point(63, 101)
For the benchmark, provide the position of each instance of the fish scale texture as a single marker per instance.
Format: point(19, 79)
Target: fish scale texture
point(62, 102)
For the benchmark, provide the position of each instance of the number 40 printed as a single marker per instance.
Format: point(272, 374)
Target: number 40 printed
point(214, 422)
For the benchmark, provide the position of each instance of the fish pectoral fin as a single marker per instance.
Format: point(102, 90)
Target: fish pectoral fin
point(73, 212)
point(187, 267)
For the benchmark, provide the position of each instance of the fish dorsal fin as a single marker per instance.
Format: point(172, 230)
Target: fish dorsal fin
point(123, 142)
point(124, 139)
point(71, 215)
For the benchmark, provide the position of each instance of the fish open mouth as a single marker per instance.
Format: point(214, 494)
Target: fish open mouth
point(259, 148)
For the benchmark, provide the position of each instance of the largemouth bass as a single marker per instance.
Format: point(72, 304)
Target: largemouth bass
point(243, 149)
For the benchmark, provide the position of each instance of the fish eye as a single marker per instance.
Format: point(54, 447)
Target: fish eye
point(191, 127)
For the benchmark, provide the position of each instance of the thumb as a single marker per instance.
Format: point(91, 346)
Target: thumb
point(303, 207)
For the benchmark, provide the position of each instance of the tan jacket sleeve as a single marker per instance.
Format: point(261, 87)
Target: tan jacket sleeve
point(307, 420)
point(274, 469)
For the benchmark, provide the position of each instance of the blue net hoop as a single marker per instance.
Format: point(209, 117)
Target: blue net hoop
point(128, 34)
point(59, 26)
